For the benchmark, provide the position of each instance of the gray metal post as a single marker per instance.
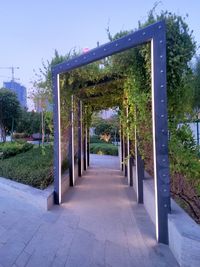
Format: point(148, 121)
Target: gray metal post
point(131, 165)
point(139, 167)
point(88, 146)
point(57, 139)
point(160, 133)
point(121, 148)
point(125, 156)
point(128, 145)
point(71, 144)
point(85, 164)
point(80, 138)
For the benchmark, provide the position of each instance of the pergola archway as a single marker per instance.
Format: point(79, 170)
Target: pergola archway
point(156, 35)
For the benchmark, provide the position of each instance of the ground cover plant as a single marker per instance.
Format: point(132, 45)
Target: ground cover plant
point(104, 149)
point(33, 167)
point(10, 149)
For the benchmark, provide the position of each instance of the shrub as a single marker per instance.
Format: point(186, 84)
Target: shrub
point(184, 160)
point(34, 167)
point(95, 139)
point(103, 149)
point(10, 149)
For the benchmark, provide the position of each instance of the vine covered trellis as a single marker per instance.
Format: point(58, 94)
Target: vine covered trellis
point(87, 86)
point(125, 80)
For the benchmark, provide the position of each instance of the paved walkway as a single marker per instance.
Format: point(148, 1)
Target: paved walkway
point(99, 224)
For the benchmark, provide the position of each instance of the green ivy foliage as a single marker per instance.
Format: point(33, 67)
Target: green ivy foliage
point(184, 156)
point(124, 80)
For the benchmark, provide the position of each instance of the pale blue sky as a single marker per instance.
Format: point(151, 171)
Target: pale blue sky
point(31, 30)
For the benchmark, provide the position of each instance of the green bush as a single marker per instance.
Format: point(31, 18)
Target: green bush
point(19, 135)
point(104, 149)
point(184, 156)
point(96, 139)
point(10, 149)
point(34, 167)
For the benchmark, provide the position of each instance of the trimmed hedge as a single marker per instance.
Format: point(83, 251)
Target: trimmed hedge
point(10, 149)
point(34, 167)
point(104, 149)
point(96, 139)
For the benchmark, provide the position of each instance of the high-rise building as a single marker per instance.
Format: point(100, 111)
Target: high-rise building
point(20, 91)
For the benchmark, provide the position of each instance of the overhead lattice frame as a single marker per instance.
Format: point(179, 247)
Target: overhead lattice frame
point(156, 34)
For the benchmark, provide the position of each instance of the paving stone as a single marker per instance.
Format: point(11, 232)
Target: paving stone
point(40, 259)
point(98, 256)
point(9, 252)
point(80, 253)
point(2, 230)
point(22, 259)
point(98, 225)
point(117, 256)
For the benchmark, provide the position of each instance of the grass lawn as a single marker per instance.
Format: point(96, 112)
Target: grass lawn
point(34, 167)
point(103, 149)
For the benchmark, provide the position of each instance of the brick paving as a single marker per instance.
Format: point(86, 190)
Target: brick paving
point(99, 224)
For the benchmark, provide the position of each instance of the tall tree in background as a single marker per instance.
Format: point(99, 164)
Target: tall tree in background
point(196, 87)
point(9, 111)
point(42, 93)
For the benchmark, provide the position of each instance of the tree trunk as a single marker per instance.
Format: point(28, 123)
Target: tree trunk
point(2, 132)
point(43, 127)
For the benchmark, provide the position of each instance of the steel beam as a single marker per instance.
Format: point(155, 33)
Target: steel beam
point(131, 40)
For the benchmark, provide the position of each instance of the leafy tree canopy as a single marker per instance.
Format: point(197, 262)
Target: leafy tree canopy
point(196, 85)
point(9, 111)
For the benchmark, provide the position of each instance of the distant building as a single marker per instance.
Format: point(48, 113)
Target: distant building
point(20, 91)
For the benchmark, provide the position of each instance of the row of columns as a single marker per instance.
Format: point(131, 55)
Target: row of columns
point(127, 162)
point(83, 142)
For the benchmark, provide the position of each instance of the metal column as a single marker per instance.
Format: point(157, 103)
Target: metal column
point(131, 161)
point(57, 139)
point(160, 133)
point(80, 146)
point(88, 146)
point(71, 144)
point(128, 145)
point(139, 167)
point(121, 148)
point(85, 164)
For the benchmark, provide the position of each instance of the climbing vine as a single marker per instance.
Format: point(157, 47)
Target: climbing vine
point(124, 80)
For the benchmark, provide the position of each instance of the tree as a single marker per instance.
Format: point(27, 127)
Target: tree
point(106, 128)
point(196, 86)
point(9, 111)
point(28, 123)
